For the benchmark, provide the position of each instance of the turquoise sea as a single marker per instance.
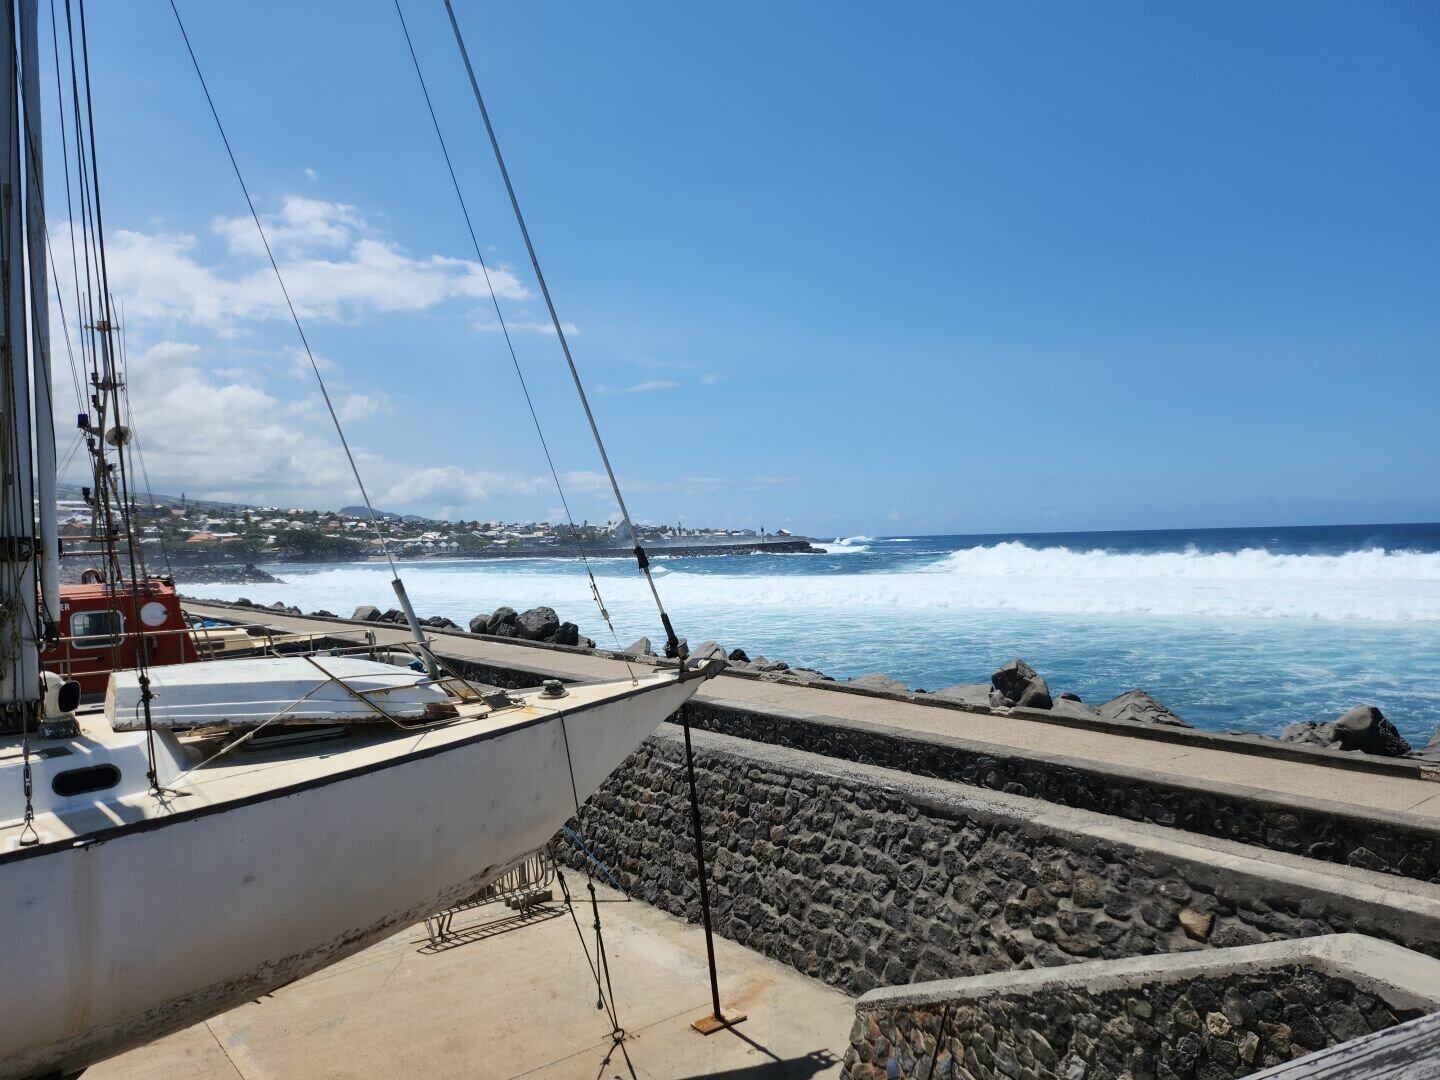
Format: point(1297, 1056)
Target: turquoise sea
point(1235, 629)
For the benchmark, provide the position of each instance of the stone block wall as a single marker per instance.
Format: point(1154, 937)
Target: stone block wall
point(1387, 844)
point(865, 877)
point(1239, 1011)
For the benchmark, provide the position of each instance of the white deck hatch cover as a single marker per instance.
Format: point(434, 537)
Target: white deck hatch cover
point(249, 691)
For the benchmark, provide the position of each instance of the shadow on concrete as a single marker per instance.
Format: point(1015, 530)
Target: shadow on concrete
point(777, 1068)
point(451, 938)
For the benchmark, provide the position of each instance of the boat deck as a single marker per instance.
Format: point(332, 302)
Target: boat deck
point(253, 771)
point(1310, 781)
point(519, 1003)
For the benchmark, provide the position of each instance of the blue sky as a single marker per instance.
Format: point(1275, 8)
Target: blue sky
point(837, 267)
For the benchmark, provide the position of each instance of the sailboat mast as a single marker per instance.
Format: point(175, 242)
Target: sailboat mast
point(45, 472)
point(19, 640)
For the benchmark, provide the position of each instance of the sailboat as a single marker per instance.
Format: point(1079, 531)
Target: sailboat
point(159, 863)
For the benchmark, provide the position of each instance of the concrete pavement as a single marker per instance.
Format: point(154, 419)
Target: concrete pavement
point(520, 1002)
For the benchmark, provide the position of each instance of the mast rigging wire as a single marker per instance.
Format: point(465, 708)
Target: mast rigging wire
point(509, 343)
point(673, 647)
point(431, 664)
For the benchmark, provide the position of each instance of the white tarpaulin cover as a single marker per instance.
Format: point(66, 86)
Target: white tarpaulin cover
point(250, 691)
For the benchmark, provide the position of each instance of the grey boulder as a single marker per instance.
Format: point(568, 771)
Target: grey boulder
point(1139, 706)
point(1018, 684)
point(708, 650)
point(1364, 729)
point(501, 616)
point(366, 613)
point(537, 624)
point(1431, 750)
point(641, 647)
point(567, 634)
point(880, 681)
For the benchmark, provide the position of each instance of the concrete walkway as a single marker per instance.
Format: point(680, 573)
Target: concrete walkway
point(1257, 775)
point(520, 1002)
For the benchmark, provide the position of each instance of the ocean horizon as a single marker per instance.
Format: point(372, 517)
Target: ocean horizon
point(1235, 629)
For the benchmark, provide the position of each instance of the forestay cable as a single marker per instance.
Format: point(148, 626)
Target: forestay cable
point(430, 663)
point(673, 647)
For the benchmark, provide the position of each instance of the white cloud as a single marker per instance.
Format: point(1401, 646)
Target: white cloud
point(361, 406)
point(311, 174)
point(470, 486)
point(335, 264)
point(201, 431)
point(710, 378)
point(525, 326)
point(649, 386)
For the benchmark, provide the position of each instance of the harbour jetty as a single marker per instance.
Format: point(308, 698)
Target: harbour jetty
point(872, 839)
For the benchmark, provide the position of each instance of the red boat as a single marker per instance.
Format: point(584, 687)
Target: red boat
point(103, 627)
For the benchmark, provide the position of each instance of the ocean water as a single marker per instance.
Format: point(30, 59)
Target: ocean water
point(1234, 629)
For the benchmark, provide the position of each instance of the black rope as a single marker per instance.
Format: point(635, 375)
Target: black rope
point(605, 996)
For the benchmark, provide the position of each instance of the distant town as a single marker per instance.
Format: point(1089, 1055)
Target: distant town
point(192, 532)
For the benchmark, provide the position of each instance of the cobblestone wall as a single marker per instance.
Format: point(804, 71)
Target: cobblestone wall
point(1206, 1029)
point(865, 878)
point(1370, 842)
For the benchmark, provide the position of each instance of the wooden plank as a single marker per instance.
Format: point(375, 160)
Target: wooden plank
point(1410, 1051)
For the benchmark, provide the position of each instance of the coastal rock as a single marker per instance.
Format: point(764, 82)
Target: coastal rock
point(739, 656)
point(801, 674)
point(1069, 704)
point(567, 634)
point(440, 622)
point(761, 664)
point(966, 693)
point(1019, 685)
point(1139, 706)
point(505, 629)
point(324, 614)
point(880, 681)
point(537, 623)
point(480, 624)
point(1430, 751)
point(708, 650)
point(366, 613)
point(642, 647)
point(393, 615)
point(501, 616)
point(1364, 729)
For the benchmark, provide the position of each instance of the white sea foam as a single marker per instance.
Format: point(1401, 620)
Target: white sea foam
point(1362, 586)
point(840, 547)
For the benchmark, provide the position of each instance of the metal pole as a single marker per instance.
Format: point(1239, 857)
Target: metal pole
point(704, 882)
point(19, 644)
point(40, 319)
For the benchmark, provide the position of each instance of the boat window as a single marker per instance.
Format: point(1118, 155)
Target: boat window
point(95, 629)
point(81, 781)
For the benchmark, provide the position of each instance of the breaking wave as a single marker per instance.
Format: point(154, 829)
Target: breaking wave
point(1359, 586)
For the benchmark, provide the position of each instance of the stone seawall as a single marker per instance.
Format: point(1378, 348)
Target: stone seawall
point(1230, 1014)
point(865, 877)
point(1388, 844)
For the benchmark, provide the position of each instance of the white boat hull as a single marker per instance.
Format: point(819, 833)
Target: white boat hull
point(149, 928)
